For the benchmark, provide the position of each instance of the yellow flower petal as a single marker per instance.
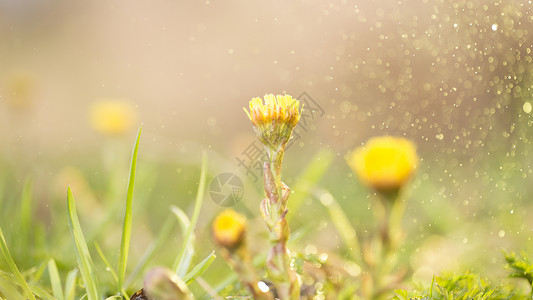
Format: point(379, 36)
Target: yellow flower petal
point(385, 163)
point(274, 119)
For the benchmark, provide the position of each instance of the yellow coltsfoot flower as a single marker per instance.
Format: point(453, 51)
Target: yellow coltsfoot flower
point(274, 119)
point(385, 163)
point(112, 117)
point(229, 229)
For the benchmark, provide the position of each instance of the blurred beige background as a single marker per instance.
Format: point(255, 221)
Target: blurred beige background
point(442, 73)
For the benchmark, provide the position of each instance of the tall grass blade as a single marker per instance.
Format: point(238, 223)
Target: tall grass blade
point(106, 262)
point(185, 223)
point(200, 268)
point(180, 266)
point(85, 262)
point(70, 285)
point(308, 178)
point(37, 273)
point(341, 222)
point(9, 290)
point(41, 293)
point(13, 267)
point(55, 280)
point(25, 218)
point(126, 229)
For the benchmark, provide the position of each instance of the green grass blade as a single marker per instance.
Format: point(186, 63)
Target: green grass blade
point(38, 273)
point(342, 223)
point(41, 293)
point(13, 267)
point(200, 268)
point(2, 189)
point(308, 178)
point(163, 236)
point(106, 262)
point(126, 229)
point(55, 281)
point(9, 290)
point(70, 285)
point(85, 262)
point(185, 224)
point(180, 266)
point(23, 236)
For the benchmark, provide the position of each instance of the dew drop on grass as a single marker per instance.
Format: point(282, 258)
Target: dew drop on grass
point(310, 249)
point(326, 199)
point(527, 107)
point(323, 257)
point(352, 268)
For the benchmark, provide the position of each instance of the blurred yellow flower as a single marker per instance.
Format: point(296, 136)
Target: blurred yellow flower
point(112, 117)
point(20, 90)
point(275, 119)
point(229, 228)
point(385, 163)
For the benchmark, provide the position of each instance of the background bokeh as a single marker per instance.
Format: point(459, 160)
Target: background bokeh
point(455, 77)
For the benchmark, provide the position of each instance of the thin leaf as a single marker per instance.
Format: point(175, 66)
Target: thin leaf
point(37, 274)
point(342, 223)
point(70, 285)
point(13, 267)
point(180, 266)
point(85, 262)
point(308, 178)
point(55, 281)
point(185, 224)
point(25, 218)
point(106, 262)
point(200, 268)
point(41, 293)
point(9, 290)
point(126, 229)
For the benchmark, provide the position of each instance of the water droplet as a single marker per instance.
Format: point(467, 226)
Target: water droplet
point(263, 287)
point(326, 199)
point(527, 107)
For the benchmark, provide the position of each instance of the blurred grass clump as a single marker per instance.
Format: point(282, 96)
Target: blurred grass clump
point(120, 242)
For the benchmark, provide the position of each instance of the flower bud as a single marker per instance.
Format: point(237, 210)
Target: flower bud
point(162, 284)
point(229, 229)
point(274, 120)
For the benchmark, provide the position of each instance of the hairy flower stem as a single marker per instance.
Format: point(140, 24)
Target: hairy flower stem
point(274, 209)
point(391, 208)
